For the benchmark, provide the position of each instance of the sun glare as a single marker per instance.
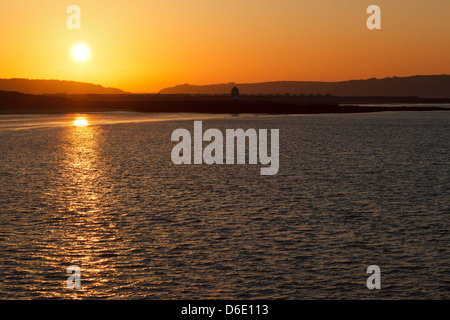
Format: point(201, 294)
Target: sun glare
point(80, 122)
point(81, 52)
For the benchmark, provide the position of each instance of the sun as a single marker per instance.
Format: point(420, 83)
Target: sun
point(81, 52)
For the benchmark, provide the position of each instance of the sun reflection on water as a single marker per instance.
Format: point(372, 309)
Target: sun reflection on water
point(86, 236)
point(80, 122)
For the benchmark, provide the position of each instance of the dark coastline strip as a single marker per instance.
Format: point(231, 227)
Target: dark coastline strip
point(17, 103)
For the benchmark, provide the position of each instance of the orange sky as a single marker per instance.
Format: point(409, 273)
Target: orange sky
point(144, 46)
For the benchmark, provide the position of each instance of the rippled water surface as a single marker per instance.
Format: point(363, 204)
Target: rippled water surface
point(352, 191)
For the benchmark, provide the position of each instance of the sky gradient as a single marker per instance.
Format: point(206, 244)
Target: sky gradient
point(144, 46)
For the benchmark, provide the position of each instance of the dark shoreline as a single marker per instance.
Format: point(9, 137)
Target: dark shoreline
point(18, 103)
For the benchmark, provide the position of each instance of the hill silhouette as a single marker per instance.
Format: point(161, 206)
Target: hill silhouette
point(32, 86)
point(435, 86)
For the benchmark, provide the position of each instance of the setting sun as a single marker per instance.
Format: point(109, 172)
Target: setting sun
point(81, 52)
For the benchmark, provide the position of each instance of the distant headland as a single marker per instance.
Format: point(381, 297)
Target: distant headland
point(284, 97)
point(33, 86)
point(430, 86)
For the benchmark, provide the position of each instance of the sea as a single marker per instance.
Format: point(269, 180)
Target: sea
point(352, 191)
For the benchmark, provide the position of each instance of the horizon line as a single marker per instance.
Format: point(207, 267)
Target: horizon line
point(224, 83)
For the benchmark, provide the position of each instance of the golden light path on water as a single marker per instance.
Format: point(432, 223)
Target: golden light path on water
point(86, 233)
point(83, 172)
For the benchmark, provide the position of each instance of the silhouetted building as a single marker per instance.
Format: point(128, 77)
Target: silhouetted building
point(235, 93)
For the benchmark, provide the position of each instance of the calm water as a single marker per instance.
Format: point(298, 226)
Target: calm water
point(353, 190)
